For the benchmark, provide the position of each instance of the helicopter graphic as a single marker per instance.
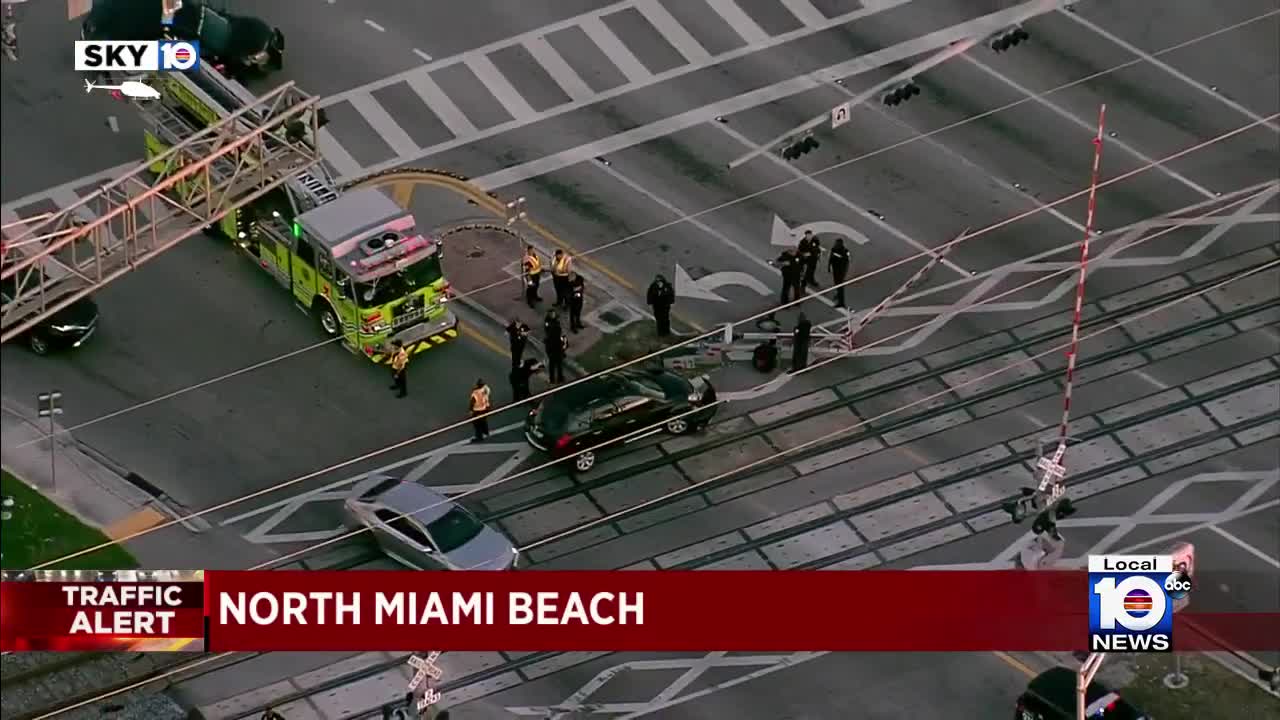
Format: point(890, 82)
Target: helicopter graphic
point(129, 88)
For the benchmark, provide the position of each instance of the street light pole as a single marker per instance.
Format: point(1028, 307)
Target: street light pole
point(50, 405)
point(516, 213)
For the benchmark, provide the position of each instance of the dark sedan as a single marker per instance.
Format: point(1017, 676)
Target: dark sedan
point(70, 327)
point(621, 407)
point(1051, 695)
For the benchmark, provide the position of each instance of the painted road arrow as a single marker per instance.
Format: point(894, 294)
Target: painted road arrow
point(704, 288)
point(785, 236)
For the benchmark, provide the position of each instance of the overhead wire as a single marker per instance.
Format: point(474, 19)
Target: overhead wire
point(657, 426)
point(649, 356)
point(683, 218)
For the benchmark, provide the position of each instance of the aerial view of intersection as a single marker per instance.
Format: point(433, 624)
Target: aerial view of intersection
point(820, 262)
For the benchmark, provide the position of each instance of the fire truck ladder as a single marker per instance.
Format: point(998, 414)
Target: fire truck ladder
point(69, 254)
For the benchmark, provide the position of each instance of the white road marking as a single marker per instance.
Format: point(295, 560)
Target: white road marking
point(435, 98)
point(617, 51)
point(747, 101)
point(335, 155)
point(501, 88)
point(674, 33)
point(1076, 120)
point(113, 123)
point(1246, 547)
point(805, 12)
point(1075, 17)
point(422, 55)
point(559, 70)
point(841, 200)
point(384, 125)
point(374, 25)
point(739, 20)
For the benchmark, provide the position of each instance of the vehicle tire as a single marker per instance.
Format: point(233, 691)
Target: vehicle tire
point(37, 344)
point(584, 461)
point(678, 426)
point(328, 319)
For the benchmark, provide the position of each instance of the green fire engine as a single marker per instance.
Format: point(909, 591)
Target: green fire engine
point(355, 260)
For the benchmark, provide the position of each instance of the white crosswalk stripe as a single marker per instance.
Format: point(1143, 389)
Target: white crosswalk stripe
point(617, 51)
point(805, 12)
point(444, 108)
point(564, 75)
point(664, 22)
point(739, 20)
point(383, 124)
point(493, 79)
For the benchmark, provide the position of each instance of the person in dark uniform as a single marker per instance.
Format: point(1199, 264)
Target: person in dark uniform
point(789, 265)
point(520, 378)
point(577, 297)
point(518, 337)
point(765, 357)
point(531, 266)
point(399, 365)
point(271, 714)
point(557, 346)
point(551, 324)
point(800, 343)
point(661, 297)
point(811, 261)
point(838, 264)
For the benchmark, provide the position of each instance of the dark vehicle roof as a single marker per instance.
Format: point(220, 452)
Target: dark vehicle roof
point(557, 408)
point(1057, 686)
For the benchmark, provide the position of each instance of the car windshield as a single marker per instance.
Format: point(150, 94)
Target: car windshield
point(400, 283)
point(649, 388)
point(454, 529)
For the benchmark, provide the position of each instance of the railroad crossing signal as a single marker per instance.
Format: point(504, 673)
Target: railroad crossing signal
point(426, 668)
point(901, 94)
point(1009, 38)
point(803, 146)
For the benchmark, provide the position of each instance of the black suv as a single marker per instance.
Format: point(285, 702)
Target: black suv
point(1051, 695)
point(575, 420)
point(69, 327)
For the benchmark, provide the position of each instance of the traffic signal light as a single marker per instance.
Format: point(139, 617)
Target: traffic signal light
point(1009, 38)
point(901, 94)
point(804, 146)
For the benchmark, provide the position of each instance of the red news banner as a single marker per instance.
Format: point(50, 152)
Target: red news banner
point(658, 611)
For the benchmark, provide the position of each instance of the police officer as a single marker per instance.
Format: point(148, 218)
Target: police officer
point(560, 265)
point(399, 362)
point(480, 406)
point(270, 714)
point(557, 346)
point(551, 324)
point(838, 264)
point(789, 265)
point(577, 296)
point(661, 297)
point(518, 337)
point(520, 378)
point(811, 261)
point(800, 343)
point(532, 268)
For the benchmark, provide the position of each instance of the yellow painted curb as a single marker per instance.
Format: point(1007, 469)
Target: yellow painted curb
point(484, 340)
point(1015, 663)
point(140, 521)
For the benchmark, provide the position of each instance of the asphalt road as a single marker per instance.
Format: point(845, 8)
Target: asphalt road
point(928, 485)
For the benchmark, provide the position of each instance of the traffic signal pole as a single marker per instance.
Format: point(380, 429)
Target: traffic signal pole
point(71, 253)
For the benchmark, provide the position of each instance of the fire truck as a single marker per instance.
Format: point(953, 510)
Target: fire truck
point(355, 261)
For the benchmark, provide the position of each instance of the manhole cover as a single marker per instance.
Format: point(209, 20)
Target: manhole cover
point(475, 252)
point(611, 317)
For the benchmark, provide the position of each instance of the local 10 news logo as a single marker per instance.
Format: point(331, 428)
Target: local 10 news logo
point(137, 55)
point(1132, 599)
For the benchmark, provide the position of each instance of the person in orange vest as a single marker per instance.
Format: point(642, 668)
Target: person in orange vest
point(532, 268)
point(560, 266)
point(480, 406)
point(399, 363)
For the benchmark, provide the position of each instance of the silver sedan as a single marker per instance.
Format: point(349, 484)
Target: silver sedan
point(423, 529)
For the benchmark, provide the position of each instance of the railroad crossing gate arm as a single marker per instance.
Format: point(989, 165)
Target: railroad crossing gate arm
point(133, 219)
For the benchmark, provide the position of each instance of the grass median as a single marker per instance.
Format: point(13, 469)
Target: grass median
point(39, 531)
point(1212, 693)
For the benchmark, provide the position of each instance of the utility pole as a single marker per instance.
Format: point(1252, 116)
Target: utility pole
point(50, 405)
point(1049, 497)
point(1084, 678)
point(515, 214)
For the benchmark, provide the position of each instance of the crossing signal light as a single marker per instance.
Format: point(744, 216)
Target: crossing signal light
point(793, 151)
point(1008, 39)
point(901, 94)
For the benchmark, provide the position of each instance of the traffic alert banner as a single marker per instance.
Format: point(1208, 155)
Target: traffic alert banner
point(654, 611)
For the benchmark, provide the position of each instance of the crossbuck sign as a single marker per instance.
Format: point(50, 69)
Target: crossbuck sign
point(426, 668)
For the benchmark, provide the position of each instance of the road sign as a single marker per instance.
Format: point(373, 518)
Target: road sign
point(840, 114)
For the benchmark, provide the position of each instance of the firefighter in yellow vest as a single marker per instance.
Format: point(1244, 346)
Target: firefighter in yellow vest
point(560, 267)
point(399, 363)
point(480, 406)
point(532, 268)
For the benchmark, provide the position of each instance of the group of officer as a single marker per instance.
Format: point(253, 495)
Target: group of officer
point(570, 288)
point(799, 268)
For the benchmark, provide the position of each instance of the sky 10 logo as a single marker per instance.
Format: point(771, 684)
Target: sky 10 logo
point(136, 55)
point(1131, 602)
